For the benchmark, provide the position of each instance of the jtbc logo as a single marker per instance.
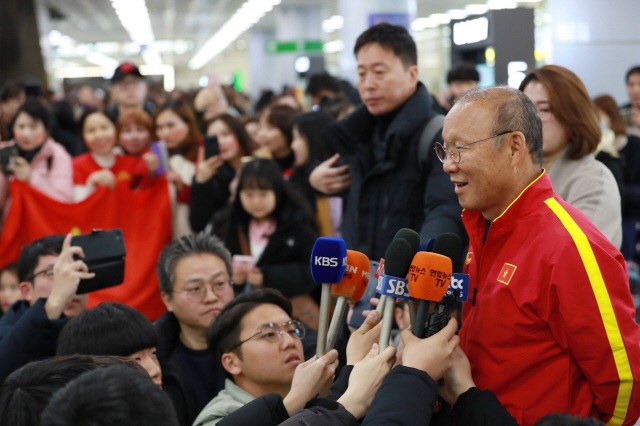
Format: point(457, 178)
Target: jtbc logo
point(327, 261)
point(456, 284)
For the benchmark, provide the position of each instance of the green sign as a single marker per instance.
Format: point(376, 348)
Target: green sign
point(274, 47)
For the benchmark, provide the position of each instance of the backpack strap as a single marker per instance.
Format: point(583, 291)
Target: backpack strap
point(428, 133)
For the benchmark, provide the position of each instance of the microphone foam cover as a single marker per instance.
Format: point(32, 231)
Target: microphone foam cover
point(356, 277)
point(397, 258)
point(450, 245)
point(328, 260)
point(429, 276)
point(411, 236)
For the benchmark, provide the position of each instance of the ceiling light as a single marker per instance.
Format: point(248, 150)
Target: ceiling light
point(457, 13)
point(334, 46)
point(501, 4)
point(244, 18)
point(476, 9)
point(441, 18)
point(134, 17)
point(335, 22)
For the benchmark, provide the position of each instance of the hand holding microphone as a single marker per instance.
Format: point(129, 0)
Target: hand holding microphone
point(350, 288)
point(328, 262)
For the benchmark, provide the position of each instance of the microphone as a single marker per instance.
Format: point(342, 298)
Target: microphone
point(413, 238)
point(448, 245)
point(328, 262)
point(351, 287)
point(428, 279)
point(393, 284)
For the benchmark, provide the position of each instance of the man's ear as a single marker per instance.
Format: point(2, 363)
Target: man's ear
point(518, 145)
point(413, 73)
point(167, 300)
point(232, 363)
point(26, 289)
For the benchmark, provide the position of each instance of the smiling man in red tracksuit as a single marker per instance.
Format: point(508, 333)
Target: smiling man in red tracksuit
point(549, 323)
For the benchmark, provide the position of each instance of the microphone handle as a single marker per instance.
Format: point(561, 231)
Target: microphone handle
point(412, 312)
point(336, 322)
point(380, 307)
point(421, 318)
point(323, 321)
point(387, 324)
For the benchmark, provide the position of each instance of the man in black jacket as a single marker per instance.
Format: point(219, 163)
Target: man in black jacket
point(378, 161)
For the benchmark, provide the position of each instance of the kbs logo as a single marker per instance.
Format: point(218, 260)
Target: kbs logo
point(325, 261)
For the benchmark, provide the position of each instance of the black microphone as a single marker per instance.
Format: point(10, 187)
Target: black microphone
point(397, 260)
point(449, 245)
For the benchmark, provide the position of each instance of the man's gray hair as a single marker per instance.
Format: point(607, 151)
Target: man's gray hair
point(515, 111)
point(187, 246)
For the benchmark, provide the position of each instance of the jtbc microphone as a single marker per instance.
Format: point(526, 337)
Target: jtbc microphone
point(328, 262)
point(413, 238)
point(429, 277)
point(351, 287)
point(393, 284)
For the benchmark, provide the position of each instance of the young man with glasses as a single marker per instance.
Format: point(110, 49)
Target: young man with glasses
point(549, 325)
point(259, 346)
point(49, 276)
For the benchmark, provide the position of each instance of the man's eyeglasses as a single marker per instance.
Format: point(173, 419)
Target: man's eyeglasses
point(47, 272)
point(273, 333)
point(454, 152)
point(197, 290)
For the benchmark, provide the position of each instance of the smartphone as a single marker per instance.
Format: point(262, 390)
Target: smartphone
point(211, 146)
point(244, 263)
point(8, 156)
point(104, 254)
point(159, 148)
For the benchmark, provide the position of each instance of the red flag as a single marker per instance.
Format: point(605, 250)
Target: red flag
point(144, 216)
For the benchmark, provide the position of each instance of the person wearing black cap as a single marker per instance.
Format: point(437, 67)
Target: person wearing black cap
point(128, 91)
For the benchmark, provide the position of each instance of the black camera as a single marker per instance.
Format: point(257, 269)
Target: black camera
point(104, 254)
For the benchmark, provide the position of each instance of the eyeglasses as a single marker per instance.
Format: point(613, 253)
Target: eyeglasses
point(197, 290)
point(273, 333)
point(47, 272)
point(454, 152)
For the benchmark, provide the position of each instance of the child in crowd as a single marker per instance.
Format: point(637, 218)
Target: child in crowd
point(175, 123)
point(272, 222)
point(101, 166)
point(37, 159)
point(310, 149)
point(9, 286)
point(275, 134)
point(214, 185)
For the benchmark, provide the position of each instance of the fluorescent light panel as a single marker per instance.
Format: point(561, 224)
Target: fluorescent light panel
point(244, 18)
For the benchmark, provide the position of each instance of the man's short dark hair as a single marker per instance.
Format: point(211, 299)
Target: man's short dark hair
point(111, 328)
point(322, 81)
point(224, 332)
point(115, 395)
point(633, 70)
point(30, 254)
point(186, 246)
point(393, 37)
point(26, 392)
point(464, 71)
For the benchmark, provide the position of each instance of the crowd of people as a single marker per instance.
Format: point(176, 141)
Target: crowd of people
point(540, 183)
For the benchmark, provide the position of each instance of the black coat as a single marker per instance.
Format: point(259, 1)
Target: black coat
point(396, 192)
point(209, 200)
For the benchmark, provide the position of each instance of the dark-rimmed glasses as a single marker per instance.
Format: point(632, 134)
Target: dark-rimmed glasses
point(273, 333)
point(197, 290)
point(454, 152)
point(47, 272)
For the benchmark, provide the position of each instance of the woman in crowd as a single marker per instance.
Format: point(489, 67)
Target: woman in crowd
point(175, 124)
point(629, 148)
point(310, 149)
point(135, 133)
point(37, 159)
point(215, 180)
point(101, 166)
point(571, 133)
point(276, 134)
point(272, 222)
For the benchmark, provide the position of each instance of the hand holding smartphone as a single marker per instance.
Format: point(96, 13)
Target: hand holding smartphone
point(8, 156)
point(104, 254)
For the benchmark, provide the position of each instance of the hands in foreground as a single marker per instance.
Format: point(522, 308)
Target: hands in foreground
point(311, 378)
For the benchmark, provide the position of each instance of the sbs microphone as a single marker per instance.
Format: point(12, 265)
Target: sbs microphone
point(393, 284)
point(350, 288)
point(328, 262)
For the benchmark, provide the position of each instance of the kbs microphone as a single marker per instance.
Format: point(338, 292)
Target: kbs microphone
point(428, 279)
point(413, 238)
point(351, 287)
point(397, 260)
point(328, 262)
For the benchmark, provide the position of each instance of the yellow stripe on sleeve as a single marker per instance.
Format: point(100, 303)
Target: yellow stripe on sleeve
point(606, 311)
